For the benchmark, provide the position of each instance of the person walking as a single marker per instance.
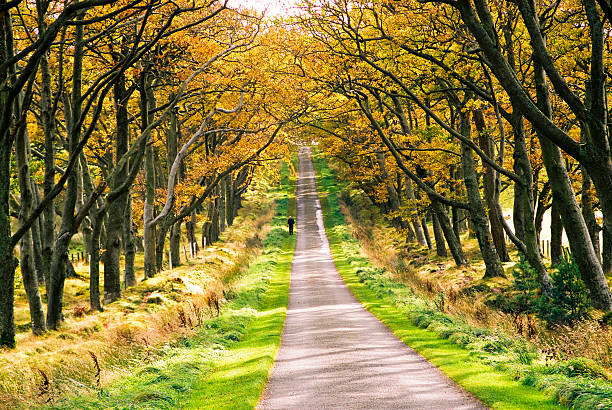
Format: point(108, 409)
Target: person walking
point(290, 222)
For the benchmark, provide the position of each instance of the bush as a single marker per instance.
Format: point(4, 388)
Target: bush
point(568, 301)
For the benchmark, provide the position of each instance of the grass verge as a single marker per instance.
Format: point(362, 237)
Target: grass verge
point(226, 360)
point(398, 307)
point(238, 378)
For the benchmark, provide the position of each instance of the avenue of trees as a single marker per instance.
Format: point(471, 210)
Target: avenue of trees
point(121, 121)
point(435, 107)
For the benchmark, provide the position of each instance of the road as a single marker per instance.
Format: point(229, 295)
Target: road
point(334, 353)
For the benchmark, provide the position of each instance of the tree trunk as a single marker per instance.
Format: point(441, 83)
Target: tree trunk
point(229, 202)
point(129, 250)
point(438, 236)
point(37, 248)
point(116, 210)
point(48, 125)
point(477, 213)
point(28, 272)
point(426, 234)
point(607, 249)
point(487, 145)
point(94, 262)
point(453, 243)
point(161, 231)
point(175, 244)
point(418, 229)
point(556, 234)
point(586, 204)
point(60, 253)
point(150, 260)
point(221, 216)
point(524, 221)
point(191, 235)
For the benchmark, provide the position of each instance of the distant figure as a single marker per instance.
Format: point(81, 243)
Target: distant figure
point(290, 222)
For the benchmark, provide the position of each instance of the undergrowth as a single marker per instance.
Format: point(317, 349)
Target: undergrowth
point(577, 383)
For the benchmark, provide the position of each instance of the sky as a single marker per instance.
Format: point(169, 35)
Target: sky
point(272, 7)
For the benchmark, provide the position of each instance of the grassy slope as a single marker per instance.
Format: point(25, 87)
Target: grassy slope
point(495, 388)
point(225, 364)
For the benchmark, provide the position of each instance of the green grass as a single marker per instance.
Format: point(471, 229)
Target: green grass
point(238, 378)
point(226, 363)
point(494, 387)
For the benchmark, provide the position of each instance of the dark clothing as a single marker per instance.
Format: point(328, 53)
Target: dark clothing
point(290, 222)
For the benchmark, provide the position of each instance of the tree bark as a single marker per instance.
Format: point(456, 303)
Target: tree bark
point(556, 234)
point(116, 211)
point(493, 266)
point(438, 236)
point(129, 247)
point(150, 262)
point(453, 243)
point(28, 272)
point(487, 145)
point(175, 244)
point(60, 253)
point(94, 262)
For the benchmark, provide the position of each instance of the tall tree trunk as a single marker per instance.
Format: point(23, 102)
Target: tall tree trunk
point(556, 234)
point(28, 272)
point(607, 248)
point(191, 225)
point(7, 268)
point(48, 125)
point(586, 204)
point(487, 145)
point(129, 247)
point(426, 234)
point(524, 214)
point(37, 248)
point(94, 262)
point(150, 260)
point(453, 243)
point(60, 254)
point(418, 229)
point(214, 226)
point(116, 211)
point(221, 215)
point(493, 266)
point(175, 244)
point(161, 231)
point(438, 236)
point(229, 202)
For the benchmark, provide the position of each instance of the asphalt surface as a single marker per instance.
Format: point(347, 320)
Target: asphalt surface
point(334, 353)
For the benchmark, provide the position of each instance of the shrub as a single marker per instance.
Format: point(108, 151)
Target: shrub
point(568, 301)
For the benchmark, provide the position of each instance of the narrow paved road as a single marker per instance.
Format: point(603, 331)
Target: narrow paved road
point(334, 353)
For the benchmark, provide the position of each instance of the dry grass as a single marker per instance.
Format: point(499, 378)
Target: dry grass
point(440, 281)
point(92, 349)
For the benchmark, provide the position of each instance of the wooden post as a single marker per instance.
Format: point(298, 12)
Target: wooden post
point(169, 260)
point(185, 252)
